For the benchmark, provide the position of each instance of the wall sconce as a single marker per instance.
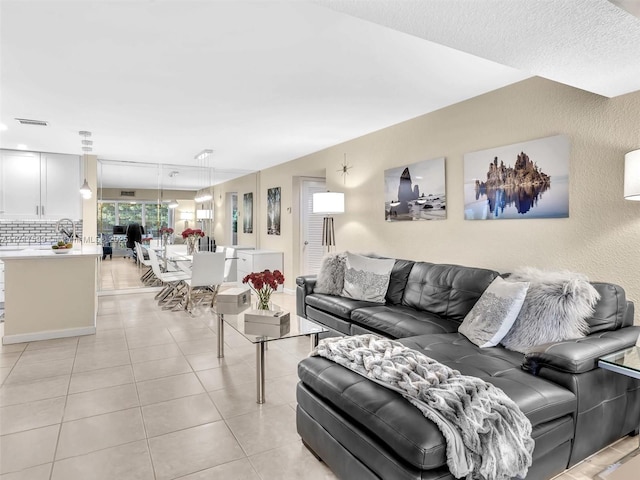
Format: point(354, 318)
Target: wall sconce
point(632, 175)
point(328, 203)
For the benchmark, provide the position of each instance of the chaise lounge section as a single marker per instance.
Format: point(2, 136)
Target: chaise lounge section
point(363, 430)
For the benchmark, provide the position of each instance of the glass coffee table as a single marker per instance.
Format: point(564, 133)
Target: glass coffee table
point(297, 327)
point(625, 362)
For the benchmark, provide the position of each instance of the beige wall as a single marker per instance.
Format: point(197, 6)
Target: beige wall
point(600, 238)
point(221, 232)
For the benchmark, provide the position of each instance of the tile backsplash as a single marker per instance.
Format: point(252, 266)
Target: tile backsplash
point(31, 232)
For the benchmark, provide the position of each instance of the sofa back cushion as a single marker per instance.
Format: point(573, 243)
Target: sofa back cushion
point(398, 281)
point(446, 290)
point(610, 311)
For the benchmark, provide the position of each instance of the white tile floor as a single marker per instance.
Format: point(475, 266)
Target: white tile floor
point(147, 398)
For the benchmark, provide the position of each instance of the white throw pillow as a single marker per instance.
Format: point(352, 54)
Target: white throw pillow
point(367, 278)
point(494, 313)
point(557, 307)
point(330, 279)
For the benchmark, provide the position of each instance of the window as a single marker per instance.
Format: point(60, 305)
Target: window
point(129, 213)
point(155, 217)
point(151, 215)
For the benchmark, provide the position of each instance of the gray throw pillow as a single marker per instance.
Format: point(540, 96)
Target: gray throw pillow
point(330, 279)
point(367, 278)
point(556, 308)
point(494, 313)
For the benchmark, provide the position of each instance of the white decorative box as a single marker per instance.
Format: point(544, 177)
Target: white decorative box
point(270, 317)
point(233, 301)
point(268, 329)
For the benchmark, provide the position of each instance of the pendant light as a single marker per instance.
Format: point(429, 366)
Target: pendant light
point(173, 174)
point(85, 189)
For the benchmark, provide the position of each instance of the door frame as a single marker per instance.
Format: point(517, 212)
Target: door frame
point(299, 232)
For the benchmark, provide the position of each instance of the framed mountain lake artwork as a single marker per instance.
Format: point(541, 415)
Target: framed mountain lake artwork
point(523, 180)
point(415, 192)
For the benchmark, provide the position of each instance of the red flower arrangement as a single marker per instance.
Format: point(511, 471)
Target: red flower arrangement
point(167, 230)
point(191, 232)
point(264, 284)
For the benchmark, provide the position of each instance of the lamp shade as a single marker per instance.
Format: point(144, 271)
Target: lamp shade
point(632, 175)
point(328, 202)
point(186, 215)
point(204, 214)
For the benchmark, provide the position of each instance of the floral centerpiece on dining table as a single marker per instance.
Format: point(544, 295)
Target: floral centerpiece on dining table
point(264, 284)
point(165, 233)
point(191, 237)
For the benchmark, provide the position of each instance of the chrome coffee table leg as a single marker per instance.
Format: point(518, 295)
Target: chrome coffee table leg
point(220, 335)
point(313, 340)
point(260, 371)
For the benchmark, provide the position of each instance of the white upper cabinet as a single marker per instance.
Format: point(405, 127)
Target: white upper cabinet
point(39, 185)
point(60, 186)
point(20, 185)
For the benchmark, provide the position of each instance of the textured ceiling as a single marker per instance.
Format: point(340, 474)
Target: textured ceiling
point(588, 44)
point(263, 82)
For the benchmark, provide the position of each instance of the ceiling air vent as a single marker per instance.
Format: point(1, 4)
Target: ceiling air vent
point(127, 193)
point(26, 121)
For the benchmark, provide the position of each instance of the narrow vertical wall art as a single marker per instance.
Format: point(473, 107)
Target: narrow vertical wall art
point(273, 211)
point(247, 206)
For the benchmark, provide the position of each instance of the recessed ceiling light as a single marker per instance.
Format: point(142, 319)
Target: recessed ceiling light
point(3, 127)
point(21, 146)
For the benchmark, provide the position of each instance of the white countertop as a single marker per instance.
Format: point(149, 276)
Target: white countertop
point(25, 253)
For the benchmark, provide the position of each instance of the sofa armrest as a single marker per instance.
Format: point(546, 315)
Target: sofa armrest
point(304, 286)
point(580, 355)
point(308, 282)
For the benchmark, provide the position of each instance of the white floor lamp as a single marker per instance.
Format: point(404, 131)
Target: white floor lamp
point(632, 175)
point(328, 203)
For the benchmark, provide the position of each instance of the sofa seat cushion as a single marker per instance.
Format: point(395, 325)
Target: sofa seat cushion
point(401, 428)
point(397, 321)
point(540, 400)
point(384, 413)
point(339, 306)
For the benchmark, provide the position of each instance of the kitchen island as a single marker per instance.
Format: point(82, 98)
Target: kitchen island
point(49, 295)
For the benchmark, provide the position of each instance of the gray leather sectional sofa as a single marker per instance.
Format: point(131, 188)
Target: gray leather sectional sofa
point(365, 431)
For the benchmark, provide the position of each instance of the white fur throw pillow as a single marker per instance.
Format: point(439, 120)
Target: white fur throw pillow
point(367, 278)
point(494, 313)
point(556, 308)
point(330, 279)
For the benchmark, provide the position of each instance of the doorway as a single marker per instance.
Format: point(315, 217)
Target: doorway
point(232, 215)
point(312, 250)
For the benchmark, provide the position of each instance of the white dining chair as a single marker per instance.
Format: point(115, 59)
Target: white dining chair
point(173, 281)
point(148, 277)
point(229, 257)
point(207, 274)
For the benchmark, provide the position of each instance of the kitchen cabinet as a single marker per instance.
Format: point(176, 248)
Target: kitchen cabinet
point(39, 185)
point(250, 261)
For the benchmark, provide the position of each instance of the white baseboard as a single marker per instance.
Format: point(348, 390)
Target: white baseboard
point(47, 335)
point(289, 291)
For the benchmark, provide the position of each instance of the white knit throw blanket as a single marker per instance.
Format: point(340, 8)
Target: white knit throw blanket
point(488, 437)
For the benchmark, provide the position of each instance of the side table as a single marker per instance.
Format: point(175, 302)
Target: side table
point(625, 362)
